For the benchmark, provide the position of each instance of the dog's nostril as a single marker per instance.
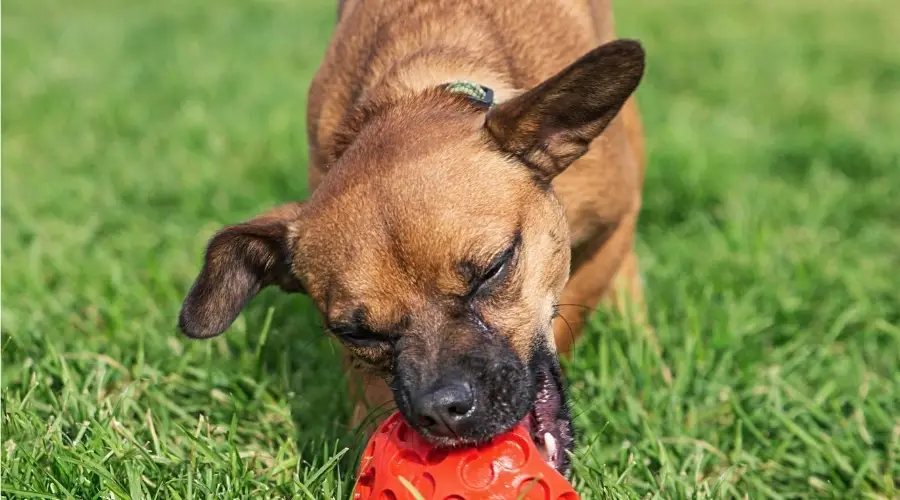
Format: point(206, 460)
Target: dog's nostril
point(427, 422)
point(459, 409)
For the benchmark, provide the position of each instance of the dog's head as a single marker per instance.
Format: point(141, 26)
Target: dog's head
point(436, 250)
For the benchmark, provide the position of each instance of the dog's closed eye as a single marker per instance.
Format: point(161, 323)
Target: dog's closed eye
point(494, 272)
point(360, 336)
point(497, 267)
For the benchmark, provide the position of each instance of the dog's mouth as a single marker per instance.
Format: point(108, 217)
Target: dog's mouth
point(548, 421)
point(531, 394)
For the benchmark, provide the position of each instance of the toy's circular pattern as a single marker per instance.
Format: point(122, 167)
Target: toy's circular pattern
point(507, 468)
point(512, 452)
point(533, 489)
point(406, 463)
point(436, 456)
point(477, 470)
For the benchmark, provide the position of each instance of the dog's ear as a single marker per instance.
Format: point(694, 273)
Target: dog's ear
point(552, 125)
point(240, 261)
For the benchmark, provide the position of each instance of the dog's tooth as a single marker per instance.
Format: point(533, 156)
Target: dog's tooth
point(550, 445)
point(542, 451)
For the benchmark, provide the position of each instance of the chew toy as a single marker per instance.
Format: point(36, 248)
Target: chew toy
point(398, 464)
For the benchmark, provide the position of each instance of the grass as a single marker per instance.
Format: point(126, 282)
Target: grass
point(769, 237)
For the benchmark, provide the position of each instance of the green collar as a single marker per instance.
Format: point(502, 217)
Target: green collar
point(478, 93)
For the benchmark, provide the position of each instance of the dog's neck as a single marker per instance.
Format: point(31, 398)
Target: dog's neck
point(415, 78)
point(438, 66)
point(410, 47)
point(395, 50)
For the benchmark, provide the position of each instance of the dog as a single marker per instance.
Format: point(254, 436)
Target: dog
point(476, 170)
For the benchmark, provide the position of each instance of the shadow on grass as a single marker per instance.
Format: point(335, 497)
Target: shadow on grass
point(306, 366)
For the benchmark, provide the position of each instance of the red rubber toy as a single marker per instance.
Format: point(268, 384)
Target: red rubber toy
point(507, 468)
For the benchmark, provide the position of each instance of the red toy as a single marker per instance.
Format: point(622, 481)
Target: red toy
point(507, 468)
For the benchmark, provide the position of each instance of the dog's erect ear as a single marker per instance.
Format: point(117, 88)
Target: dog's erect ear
point(552, 125)
point(240, 261)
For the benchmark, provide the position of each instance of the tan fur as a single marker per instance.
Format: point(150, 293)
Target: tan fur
point(410, 183)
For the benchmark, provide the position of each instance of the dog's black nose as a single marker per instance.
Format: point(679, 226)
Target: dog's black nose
point(446, 409)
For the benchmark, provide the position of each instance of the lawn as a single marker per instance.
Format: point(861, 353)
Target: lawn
point(770, 237)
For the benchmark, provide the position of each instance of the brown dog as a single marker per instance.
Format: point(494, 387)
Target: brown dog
point(466, 156)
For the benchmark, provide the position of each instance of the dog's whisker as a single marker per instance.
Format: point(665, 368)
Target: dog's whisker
point(573, 305)
point(569, 326)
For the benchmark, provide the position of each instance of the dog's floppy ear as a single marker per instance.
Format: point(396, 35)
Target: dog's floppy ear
point(552, 125)
point(240, 261)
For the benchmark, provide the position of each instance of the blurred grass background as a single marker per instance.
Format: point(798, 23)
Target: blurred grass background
point(770, 238)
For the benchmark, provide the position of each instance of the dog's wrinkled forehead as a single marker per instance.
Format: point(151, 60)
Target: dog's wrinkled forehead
point(406, 242)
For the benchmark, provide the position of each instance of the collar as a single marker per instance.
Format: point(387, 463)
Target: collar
point(479, 94)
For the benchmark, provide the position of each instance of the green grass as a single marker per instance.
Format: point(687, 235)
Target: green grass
point(770, 236)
